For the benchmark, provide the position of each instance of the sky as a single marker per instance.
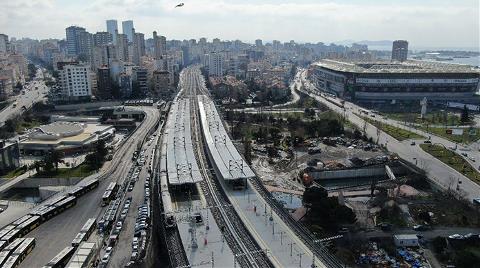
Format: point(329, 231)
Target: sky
point(424, 23)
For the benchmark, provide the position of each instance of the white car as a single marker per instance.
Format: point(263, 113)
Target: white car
point(105, 258)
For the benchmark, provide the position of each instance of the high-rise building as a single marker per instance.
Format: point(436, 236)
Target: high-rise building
point(85, 44)
point(102, 38)
point(139, 78)
point(215, 64)
point(3, 43)
point(104, 83)
point(74, 80)
point(127, 27)
point(122, 47)
point(258, 43)
point(138, 45)
point(73, 40)
point(161, 82)
point(125, 85)
point(112, 28)
point(160, 45)
point(185, 55)
point(399, 50)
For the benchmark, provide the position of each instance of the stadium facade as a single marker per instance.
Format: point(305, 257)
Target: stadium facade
point(392, 81)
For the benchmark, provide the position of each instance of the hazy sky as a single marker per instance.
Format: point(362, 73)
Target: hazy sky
point(425, 23)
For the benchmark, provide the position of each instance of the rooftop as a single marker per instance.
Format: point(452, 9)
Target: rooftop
point(410, 66)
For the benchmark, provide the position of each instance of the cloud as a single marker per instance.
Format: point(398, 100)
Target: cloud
point(425, 23)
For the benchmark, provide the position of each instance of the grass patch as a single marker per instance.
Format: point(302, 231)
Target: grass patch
point(14, 173)
point(27, 125)
point(432, 118)
point(80, 171)
point(447, 211)
point(453, 160)
point(465, 138)
point(396, 132)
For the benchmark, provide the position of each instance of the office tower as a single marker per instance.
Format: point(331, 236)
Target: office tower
point(258, 43)
point(3, 43)
point(399, 50)
point(122, 47)
point(160, 45)
point(127, 27)
point(102, 38)
point(73, 42)
point(112, 28)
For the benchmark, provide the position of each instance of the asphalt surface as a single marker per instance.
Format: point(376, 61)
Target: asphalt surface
point(123, 249)
point(58, 232)
point(443, 175)
point(31, 96)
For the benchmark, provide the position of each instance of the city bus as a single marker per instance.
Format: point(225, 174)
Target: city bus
point(61, 259)
point(110, 193)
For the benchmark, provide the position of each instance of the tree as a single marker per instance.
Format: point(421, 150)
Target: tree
point(247, 147)
point(47, 163)
point(56, 158)
point(326, 211)
point(439, 244)
point(465, 116)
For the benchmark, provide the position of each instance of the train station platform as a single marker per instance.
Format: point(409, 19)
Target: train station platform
point(284, 247)
point(210, 244)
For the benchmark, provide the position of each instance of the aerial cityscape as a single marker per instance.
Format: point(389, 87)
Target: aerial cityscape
point(240, 134)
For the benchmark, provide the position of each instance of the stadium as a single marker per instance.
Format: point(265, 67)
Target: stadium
point(391, 81)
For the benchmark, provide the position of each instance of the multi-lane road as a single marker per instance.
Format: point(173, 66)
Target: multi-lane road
point(58, 232)
point(35, 92)
point(436, 170)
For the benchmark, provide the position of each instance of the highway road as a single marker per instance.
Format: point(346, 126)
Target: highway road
point(31, 96)
point(58, 232)
point(437, 171)
point(294, 85)
point(123, 249)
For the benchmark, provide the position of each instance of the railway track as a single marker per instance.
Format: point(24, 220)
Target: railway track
point(301, 231)
point(246, 250)
point(172, 242)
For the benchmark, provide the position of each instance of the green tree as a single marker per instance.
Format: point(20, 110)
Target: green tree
point(247, 147)
point(56, 158)
point(439, 244)
point(465, 118)
point(325, 211)
point(47, 163)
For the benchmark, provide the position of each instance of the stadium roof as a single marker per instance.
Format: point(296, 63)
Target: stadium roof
point(410, 66)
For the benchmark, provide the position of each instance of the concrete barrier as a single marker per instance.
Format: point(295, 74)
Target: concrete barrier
point(87, 105)
point(42, 182)
point(339, 174)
